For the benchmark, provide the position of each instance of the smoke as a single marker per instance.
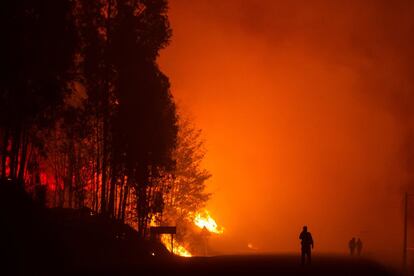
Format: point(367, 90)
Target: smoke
point(307, 108)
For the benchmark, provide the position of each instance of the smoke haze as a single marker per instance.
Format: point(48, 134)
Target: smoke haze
point(307, 112)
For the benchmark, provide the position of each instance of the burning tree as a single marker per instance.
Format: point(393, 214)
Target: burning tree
point(86, 113)
point(119, 135)
point(185, 193)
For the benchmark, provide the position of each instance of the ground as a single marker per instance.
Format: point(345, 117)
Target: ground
point(39, 241)
point(254, 265)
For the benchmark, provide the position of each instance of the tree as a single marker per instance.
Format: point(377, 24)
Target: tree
point(113, 146)
point(186, 193)
point(135, 111)
point(145, 148)
point(37, 61)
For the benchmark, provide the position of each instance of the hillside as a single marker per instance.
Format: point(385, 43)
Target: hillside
point(37, 240)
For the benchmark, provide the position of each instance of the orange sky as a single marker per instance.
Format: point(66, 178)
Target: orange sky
point(306, 113)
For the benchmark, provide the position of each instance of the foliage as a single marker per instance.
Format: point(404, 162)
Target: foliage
point(186, 193)
point(37, 65)
point(87, 118)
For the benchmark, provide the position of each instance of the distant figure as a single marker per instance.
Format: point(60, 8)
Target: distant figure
point(306, 243)
point(352, 245)
point(359, 246)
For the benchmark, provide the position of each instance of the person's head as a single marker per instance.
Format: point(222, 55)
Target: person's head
point(305, 228)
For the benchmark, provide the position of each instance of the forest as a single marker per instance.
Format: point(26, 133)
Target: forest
point(87, 118)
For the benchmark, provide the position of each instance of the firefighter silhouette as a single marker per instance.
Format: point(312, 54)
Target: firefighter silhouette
point(306, 245)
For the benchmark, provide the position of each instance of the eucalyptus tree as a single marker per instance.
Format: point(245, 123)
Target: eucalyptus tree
point(130, 96)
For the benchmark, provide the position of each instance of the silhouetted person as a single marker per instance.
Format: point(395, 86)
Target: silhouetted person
point(359, 246)
point(307, 244)
point(352, 245)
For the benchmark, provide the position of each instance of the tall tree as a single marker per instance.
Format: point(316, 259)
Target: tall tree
point(123, 130)
point(37, 58)
point(134, 108)
point(144, 98)
point(185, 194)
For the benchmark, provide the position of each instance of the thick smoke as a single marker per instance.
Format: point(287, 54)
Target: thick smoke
point(307, 108)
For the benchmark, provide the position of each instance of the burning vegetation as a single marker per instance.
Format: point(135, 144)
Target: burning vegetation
point(103, 132)
point(201, 220)
point(204, 220)
point(178, 249)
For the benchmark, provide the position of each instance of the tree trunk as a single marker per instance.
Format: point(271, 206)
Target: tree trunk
point(104, 160)
point(98, 165)
point(23, 158)
point(14, 154)
point(4, 154)
point(141, 209)
point(69, 177)
point(124, 202)
point(112, 196)
point(120, 196)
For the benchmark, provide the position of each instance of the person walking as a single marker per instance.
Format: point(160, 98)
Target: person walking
point(359, 246)
point(306, 245)
point(352, 245)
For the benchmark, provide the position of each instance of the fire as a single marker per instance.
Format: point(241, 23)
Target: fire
point(178, 248)
point(166, 241)
point(203, 219)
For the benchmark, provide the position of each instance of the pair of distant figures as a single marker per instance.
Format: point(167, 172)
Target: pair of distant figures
point(355, 245)
point(307, 245)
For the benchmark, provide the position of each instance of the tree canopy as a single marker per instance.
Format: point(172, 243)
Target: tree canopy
point(87, 118)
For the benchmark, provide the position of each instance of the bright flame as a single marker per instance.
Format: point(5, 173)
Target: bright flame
point(203, 219)
point(178, 248)
point(166, 241)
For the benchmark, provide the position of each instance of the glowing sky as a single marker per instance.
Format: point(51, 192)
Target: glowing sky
point(306, 109)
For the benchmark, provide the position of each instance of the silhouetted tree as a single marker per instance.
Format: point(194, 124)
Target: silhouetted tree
point(135, 112)
point(145, 147)
point(37, 53)
point(143, 96)
point(83, 100)
point(184, 193)
point(69, 157)
point(187, 193)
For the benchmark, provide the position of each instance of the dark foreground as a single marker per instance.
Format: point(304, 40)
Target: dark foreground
point(250, 265)
point(40, 241)
point(220, 265)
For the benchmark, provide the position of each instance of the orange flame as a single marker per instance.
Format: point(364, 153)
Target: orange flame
point(204, 219)
point(201, 219)
point(178, 248)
